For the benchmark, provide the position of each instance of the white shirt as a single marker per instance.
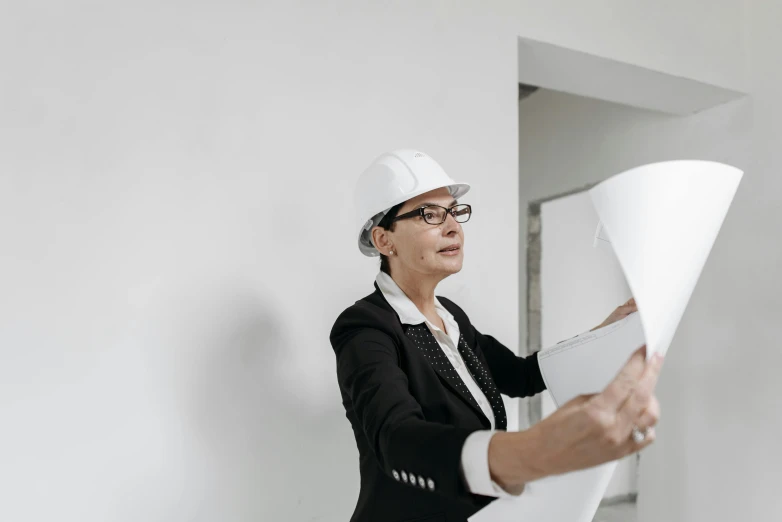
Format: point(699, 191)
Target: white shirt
point(475, 452)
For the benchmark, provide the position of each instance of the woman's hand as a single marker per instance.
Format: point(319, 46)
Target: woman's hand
point(620, 313)
point(586, 431)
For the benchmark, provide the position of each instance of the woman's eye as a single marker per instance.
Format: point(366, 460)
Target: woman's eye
point(429, 215)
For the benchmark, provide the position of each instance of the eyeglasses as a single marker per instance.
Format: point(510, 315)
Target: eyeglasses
point(436, 215)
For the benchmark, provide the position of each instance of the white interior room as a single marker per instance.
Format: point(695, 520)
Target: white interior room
point(178, 234)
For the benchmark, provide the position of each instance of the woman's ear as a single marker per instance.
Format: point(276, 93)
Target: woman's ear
point(380, 239)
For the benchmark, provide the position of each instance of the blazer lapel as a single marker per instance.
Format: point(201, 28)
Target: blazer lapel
point(485, 383)
point(427, 344)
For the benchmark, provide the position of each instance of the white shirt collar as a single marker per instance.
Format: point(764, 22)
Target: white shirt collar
point(407, 311)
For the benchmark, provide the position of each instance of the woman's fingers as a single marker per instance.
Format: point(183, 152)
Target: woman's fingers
point(649, 415)
point(620, 313)
point(629, 400)
point(619, 390)
point(594, 429)
point(641, 398)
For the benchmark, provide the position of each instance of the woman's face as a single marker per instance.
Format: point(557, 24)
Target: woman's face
point(418, 246)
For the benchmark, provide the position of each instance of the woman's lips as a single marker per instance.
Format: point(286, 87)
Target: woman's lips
point(450, 252)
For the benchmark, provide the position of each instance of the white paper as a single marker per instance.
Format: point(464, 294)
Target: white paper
point(601, 237)
point(587, 363)
point(662, 220)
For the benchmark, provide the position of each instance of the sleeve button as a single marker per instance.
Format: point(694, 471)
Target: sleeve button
point(395, 473)
point(430, 484)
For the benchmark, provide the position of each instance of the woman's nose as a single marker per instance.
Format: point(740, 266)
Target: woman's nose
point(450, 224)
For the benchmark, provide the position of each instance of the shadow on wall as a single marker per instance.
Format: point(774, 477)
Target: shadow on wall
point(255, 449)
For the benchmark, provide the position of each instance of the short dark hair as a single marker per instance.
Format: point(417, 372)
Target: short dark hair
point(387, 223)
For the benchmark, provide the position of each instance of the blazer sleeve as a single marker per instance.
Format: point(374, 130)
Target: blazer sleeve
point(514, 376)
point(369, 373)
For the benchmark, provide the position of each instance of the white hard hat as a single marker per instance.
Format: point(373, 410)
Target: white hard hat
point(392, 179)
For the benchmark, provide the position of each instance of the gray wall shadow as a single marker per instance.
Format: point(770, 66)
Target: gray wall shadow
point(277, 456)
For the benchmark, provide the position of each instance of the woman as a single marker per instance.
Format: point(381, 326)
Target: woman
point(421, 385)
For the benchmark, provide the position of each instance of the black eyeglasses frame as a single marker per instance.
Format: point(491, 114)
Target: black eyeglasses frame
point(421, 212)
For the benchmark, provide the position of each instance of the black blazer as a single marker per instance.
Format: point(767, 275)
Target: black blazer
point(407, 417)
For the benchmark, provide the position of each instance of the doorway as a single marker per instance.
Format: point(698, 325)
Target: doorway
point(574, 282)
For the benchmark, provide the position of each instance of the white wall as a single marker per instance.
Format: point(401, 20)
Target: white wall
point(717, 454)
point(701, 39)
point(178, 239)
point(580, 285)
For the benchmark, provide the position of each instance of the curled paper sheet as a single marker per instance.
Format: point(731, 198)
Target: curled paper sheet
point(662, 220)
